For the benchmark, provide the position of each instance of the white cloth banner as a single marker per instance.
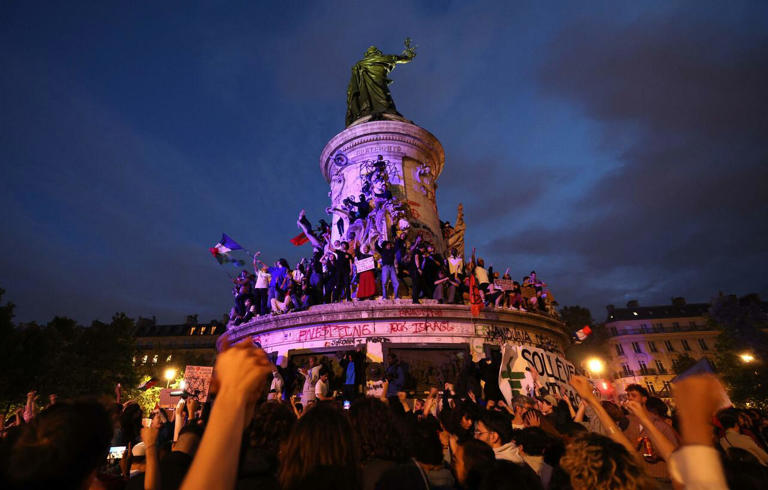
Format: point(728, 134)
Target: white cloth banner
point(554, 372)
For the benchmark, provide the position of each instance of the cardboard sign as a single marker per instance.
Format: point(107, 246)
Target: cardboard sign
point(554, 372)
point(504, 284)
point(197, 381)
point(363, 265)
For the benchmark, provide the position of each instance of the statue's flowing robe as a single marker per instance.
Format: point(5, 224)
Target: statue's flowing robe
point(368, 91)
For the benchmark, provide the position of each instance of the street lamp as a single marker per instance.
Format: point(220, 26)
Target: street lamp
point(746, 357)
point(170, 374)
point(595, 365)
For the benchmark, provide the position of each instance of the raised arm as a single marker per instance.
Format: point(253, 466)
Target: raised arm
point(662, 444)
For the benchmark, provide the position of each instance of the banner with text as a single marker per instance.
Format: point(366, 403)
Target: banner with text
point(553, 372)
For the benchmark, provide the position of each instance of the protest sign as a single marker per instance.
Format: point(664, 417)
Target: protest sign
point(363, 265)
point(197, 381)
point(504, 284)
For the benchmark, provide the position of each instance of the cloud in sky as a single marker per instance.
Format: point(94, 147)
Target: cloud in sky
point(620, 151)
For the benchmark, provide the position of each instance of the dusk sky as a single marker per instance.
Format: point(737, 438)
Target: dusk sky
point(620, 149)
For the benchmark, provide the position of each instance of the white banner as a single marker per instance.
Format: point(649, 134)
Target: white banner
point(554, 372)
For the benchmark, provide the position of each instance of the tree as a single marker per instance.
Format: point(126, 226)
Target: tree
point(742, 323)
point(682, 363)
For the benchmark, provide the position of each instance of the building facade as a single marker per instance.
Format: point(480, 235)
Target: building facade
point(163, 346)
point(646, 342)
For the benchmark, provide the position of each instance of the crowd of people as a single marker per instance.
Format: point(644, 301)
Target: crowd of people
point(248, 436)
point(398, 268)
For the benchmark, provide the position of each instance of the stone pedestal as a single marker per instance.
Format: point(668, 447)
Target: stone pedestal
point(415, 159)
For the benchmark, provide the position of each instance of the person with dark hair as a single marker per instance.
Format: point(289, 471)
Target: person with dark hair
point(657, 406)
point(395, 374)
point(428, 454)
point(472, 460)
point(532, 442)
point(60, 448)
point(495, 429)
point(322, 386)
point(379, 443)
point(636, 432)
point(506, 475)
point(271, 424)
point(343, 273)
point(733, 438)
point(321, 438)
point(353, 368)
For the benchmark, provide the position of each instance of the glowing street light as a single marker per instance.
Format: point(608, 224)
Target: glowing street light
point(746, 357)
point(169, 375)
point(595, 365)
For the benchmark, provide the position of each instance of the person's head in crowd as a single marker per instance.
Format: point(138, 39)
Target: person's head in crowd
point(594, 461)
point(391, 358)
point(271, 424)
point(61, 448)
point(657, 406)
point(418, 405)
point(327, 477)
point(364, 249)
point(480, 263)
point(344, 246)
point(321, 437)
point(570, 430)
point(547, 404)
point(312, 360)
point(52, 399)
point(616, 413)
point(283, 263)
point(324, 375)
point(533, 275)
point(637, 393)
point(729, 418)
point(130, 423)
point(454, 252)
point(494, 428)
point(472, 460)
point(524, 402)
point(377, 437)
point(533, 441)
point(426, 445)
point(506, 475)
point(387, 245)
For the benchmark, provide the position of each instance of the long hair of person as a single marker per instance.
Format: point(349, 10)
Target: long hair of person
point(321, 437)
point(377, 436)
point(594, 461)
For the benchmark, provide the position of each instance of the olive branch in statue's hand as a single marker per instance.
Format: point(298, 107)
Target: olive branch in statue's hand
point(409, 51)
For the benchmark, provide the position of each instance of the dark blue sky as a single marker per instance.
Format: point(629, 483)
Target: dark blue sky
point(620, 149)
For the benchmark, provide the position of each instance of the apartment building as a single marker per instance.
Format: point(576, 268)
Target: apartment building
point(646, 342)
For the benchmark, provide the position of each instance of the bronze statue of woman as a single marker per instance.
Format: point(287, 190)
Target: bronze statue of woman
point(368, 92)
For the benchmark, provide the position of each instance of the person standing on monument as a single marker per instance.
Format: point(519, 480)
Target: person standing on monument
point(368, 92)
point(311, 375)
point(388, 267)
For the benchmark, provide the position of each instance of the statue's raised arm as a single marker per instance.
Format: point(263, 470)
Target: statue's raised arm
point(368, 92)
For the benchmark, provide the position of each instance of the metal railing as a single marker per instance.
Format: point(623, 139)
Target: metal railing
point(650, 330)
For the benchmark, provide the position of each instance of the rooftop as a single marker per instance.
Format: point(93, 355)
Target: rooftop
point(680, 310)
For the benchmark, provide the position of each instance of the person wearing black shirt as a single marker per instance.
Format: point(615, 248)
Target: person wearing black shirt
point(388, 267)
point(343, 271)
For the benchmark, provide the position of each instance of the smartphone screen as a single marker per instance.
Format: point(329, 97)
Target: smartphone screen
point(116, 452)
point(346, 404)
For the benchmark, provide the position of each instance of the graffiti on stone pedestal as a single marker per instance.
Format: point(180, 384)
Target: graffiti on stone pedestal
point(323, 332)
point(494, 334)
point(427, 326)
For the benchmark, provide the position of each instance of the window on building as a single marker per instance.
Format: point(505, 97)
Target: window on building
point(675, 325)
point(192, 330)
point(651, 388)
point(658, 327)
point(669, 346)
point(644, 327)
point(619, 349)
point(643, 367)
point(692, 324)
point(652, 346)
point(703, 345)
point(712, 364)
point(660, 367)
point(614, 331)
point(625, 368)
point(133, 360)
point(154, 359)
point(636, 347)
point(667, 387)
point(144, 359)
point(685, 344)
point(168, 359)
point(203, 329)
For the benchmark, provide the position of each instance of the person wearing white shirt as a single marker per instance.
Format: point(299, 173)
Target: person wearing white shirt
point(322, 387)
point(311, 375)
point(276, 388)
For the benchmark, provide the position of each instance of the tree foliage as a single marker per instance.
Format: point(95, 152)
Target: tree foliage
point(742, 323)
point(63, 357)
